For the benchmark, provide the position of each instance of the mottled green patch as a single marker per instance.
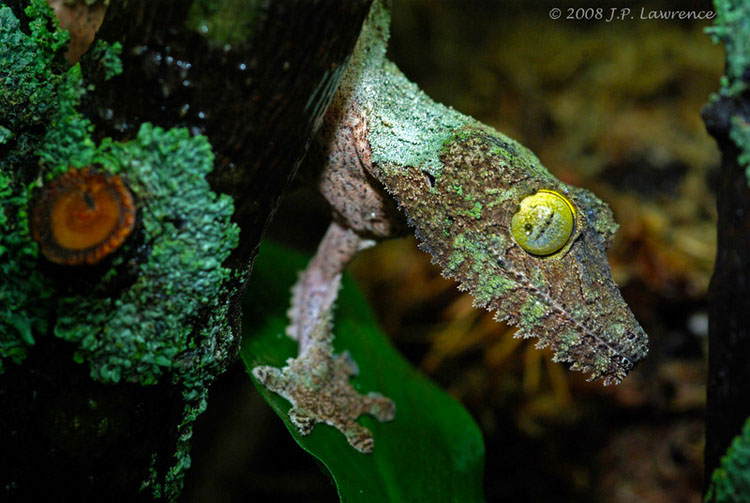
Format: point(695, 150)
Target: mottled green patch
point(534, 312)
point(475, 252)
point(732, 28)
point(730, 483)
point(568, 340)
point(107, 57)
point(225, 22)
point(145, 329)
point(27, 83)
point(492, 287)
point(24, 292)
point(475, 211)
point(139, 335)
point(405, 127)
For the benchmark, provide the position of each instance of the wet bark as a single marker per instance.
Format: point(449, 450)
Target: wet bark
point(728, 386)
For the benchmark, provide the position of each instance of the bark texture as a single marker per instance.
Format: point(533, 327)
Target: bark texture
point(727, 118)
point(728, 386)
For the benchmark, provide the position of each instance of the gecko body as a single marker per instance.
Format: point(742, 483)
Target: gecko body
point(385, 151)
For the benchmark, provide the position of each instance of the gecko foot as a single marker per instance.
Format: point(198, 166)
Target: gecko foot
point(317, 384)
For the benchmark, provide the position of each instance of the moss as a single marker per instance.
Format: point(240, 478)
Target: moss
point(139, 335)
point(225, 22)
point(475, 211)
point(147, 330)
point(107, 56)
point(24, 292)
point(474, 250)
point(27, 90)
point(731, 481)
point(732, 28)
point(534, 312)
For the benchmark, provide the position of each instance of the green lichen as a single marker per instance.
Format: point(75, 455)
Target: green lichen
point(475, 211)
point(474, 250)
point(139, 335)
point(225, 22)
point(24, 292)
point(107, 56)
point(732, 27)
point(27, 104)
point(534, 312)
point(171, 320)
point(730, 483)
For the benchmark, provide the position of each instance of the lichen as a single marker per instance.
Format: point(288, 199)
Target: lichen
point(731, 28)
point(171, 320)
point(730, 483)
point(27, 103)
point(139, 335)
point(225, 22)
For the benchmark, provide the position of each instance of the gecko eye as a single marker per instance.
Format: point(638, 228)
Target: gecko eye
point(82, 216)
point(544, 222)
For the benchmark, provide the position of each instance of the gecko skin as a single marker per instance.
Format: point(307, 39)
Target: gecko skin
point(385, 146)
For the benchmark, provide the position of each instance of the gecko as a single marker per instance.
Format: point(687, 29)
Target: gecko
point(532, 249)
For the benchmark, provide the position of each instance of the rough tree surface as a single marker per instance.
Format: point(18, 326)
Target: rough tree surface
point(727, 119)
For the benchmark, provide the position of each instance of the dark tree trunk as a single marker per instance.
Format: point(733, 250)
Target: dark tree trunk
point(728, 386)
point(258, 100)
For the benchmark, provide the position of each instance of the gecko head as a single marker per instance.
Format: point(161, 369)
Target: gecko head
point(557, 255)
point(526, 246)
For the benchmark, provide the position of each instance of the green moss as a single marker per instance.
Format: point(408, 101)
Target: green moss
point(225, 22)
point(533, 312)
point(139, 335)
point(732, 27)
point(107, 56)
point(475, 211)
point(27, 90)
point(172, 318)
point(730, 483)
point(568, 340)
point(475, 250)
point(740, 135)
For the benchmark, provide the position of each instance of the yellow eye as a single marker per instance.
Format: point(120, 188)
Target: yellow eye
point(544, 222)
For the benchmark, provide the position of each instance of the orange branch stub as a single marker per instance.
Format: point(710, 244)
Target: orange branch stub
point(82, 216)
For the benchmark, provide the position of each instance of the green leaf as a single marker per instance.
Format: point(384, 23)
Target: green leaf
point(431, 452)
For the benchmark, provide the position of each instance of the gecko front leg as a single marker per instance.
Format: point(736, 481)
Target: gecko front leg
point(316, 382)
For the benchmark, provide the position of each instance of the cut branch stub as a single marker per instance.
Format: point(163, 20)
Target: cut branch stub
point(82, 216)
